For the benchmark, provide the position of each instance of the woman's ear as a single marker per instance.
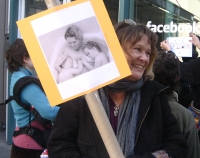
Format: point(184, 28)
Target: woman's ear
point(25, 59)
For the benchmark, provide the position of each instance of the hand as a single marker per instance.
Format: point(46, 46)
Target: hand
point(77, 58)
point(195, 40)
point(165, 45)
point(84, 62)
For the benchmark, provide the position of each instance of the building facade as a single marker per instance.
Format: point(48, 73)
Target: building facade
point(3, 45)
point(152, 12)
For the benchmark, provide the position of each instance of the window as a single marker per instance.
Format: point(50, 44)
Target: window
point(35, 6)
point(161, 12)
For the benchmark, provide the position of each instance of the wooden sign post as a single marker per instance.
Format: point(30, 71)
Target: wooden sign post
point(99, 114)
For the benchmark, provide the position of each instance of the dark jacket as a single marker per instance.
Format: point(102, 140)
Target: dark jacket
point(190, 72)
point(186, 124)
point(75, 134)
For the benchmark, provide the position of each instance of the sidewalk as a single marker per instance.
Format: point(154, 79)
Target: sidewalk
point(4, 147)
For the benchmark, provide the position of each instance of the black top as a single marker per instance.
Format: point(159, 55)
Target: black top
point(75, 135)
point(190, 72)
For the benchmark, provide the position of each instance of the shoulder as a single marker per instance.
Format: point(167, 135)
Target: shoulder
point(152, 87)
point(101, 55)
point(178, 109)
point(29, 88)
point(191, 63)
point(26, 81)
point(15, 76)
point(74, 108)
point(183, 116)
point(152, 93)
point(73, 104)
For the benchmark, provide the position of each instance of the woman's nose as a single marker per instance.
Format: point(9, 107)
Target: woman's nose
point(143, 56)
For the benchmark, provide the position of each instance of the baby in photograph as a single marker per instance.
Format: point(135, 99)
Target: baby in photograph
point(93, 51)
point(68, 71)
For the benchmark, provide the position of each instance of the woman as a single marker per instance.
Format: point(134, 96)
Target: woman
point(74, 38)
point(136, 106)
point(20, 65)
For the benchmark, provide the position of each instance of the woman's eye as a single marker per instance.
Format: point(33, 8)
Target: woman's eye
point(148, 53)
point(137, 50)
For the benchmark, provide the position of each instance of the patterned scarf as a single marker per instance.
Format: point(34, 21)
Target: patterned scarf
point(127, 117)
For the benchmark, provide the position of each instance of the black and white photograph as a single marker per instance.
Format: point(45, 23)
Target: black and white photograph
point(80, 47)
point(75, 49)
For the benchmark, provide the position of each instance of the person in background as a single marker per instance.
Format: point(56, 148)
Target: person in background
point(195, 40)
point(136, 106)
point(184, 88)
point(190, 73)
point(166, 69)
point(20, 65)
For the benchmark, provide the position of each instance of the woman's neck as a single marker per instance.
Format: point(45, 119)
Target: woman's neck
point(117, 98)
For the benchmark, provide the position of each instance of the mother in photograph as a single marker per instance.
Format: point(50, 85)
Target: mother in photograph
point(74, 38)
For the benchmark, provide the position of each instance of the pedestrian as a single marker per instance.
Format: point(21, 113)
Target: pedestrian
point(136, 106)
point(20, 65)
point(167, 72)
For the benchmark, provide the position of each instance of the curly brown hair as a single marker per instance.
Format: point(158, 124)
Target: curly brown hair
point(15, 54)
point(74, 31)
point(167, 70)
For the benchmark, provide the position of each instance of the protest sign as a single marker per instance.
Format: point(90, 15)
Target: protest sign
point(44, 35)
point(181, 46)
point(45, 38)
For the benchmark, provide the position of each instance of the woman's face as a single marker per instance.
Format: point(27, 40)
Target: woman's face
point(92, 53)
point(74, 43)
point(28, 63)
point(138, 57)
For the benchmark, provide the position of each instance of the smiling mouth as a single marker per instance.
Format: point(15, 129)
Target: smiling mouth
point(138, 66)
